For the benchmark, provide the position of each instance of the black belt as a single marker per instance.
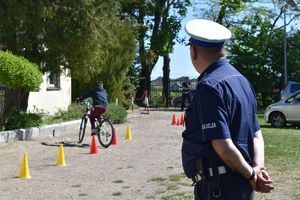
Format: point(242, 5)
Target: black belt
point(220, 170)
point(210, 172)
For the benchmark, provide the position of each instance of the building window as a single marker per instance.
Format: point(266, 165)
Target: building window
point(53, 81)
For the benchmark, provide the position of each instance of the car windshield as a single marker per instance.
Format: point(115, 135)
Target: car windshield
point(294, 99)
point(295, 87)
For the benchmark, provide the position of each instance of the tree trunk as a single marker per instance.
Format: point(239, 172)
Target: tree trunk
point(166, 79)
point(146, 64)
point(145, 84)
point(24, 95)
point(11, 103)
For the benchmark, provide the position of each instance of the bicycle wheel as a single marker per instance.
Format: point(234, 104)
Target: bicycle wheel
point(105, 133)
point(82, 127)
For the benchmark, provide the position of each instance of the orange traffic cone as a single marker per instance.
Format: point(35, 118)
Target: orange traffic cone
point(93, 149)
point(178, 122)
point(114, 141)
point(181, 119)
point(174, 120)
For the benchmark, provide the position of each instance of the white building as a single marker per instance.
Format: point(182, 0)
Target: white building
point(54, 93)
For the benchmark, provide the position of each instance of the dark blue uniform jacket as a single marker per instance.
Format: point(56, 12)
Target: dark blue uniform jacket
point(224, 106)
point(99, 96)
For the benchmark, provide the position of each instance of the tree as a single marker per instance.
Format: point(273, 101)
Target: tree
point(19, 76)
point(157, 30)
point(257, 51)
point(173, 22)
point(115, 65)
point(79, 35)
point(257, 46)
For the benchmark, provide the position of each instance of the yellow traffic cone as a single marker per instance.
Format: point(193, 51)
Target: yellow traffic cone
point(128, 133)
point(24, 172)
point(61, 157)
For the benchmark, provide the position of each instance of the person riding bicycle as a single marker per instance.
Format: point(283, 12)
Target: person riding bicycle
point(100, 102)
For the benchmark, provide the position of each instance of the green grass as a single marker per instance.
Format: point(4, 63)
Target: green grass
point(160, 191)
point(172, 186)
point(157, 179)
point(118, 181)
point(282, 159)
point(117, 194)
point(282, 147)
point(179, 196)
point(177, 177)
point(77, 185)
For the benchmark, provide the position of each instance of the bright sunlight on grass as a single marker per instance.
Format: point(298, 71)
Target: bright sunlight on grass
point(282, 151)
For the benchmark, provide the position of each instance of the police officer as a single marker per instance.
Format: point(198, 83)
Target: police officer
point(223, 147)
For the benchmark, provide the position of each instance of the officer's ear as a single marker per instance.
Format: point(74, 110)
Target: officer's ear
point(194, 52)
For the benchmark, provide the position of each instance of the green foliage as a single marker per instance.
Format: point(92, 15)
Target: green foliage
point(256, 49)
point(91, 38)
point(36, 118)
point(21, 119)
point(158, 25)
point(117, 114)
point(18, 72)
point(73, 112)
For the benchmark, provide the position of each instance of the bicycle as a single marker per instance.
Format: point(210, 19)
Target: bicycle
point(103, 126)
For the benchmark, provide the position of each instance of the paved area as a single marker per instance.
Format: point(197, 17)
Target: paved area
point(132, 169)
point(146, 167)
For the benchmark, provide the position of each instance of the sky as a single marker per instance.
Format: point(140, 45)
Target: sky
point(180, 64)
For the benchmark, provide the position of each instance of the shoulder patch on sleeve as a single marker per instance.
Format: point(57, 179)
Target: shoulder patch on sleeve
point(209, 125)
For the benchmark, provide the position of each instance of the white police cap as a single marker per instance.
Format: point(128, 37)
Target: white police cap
point(207, 33)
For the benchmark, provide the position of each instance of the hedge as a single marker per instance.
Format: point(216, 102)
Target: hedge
point(18, 72)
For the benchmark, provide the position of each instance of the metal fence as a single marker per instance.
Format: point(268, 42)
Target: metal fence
point(156, 95)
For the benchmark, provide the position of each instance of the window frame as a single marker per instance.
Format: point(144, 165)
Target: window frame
point(53, 81)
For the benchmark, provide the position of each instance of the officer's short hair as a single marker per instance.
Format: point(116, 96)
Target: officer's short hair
point(99, 83)
point(212, 50)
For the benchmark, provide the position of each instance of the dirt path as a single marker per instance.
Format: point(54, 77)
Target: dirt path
point(147, 167)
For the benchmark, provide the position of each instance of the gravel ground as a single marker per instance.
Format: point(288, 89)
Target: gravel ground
point(135, 169)
point(146, 167)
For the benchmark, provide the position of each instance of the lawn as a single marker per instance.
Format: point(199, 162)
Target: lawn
point(282, 151)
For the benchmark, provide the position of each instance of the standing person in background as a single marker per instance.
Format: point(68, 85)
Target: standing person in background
point(223, 147)
point(186, 90)
point(100, 102)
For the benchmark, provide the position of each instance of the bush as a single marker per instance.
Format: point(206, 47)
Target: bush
point(73, 112)
point(36, 118)
point(21, 119)
point(16, 71)
point(117, 114)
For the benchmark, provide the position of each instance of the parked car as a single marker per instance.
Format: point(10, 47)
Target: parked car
point(284, 112)
point(289, 89)
point(176, 102)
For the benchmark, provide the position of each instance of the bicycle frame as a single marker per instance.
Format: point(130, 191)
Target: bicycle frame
point(108, 133)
